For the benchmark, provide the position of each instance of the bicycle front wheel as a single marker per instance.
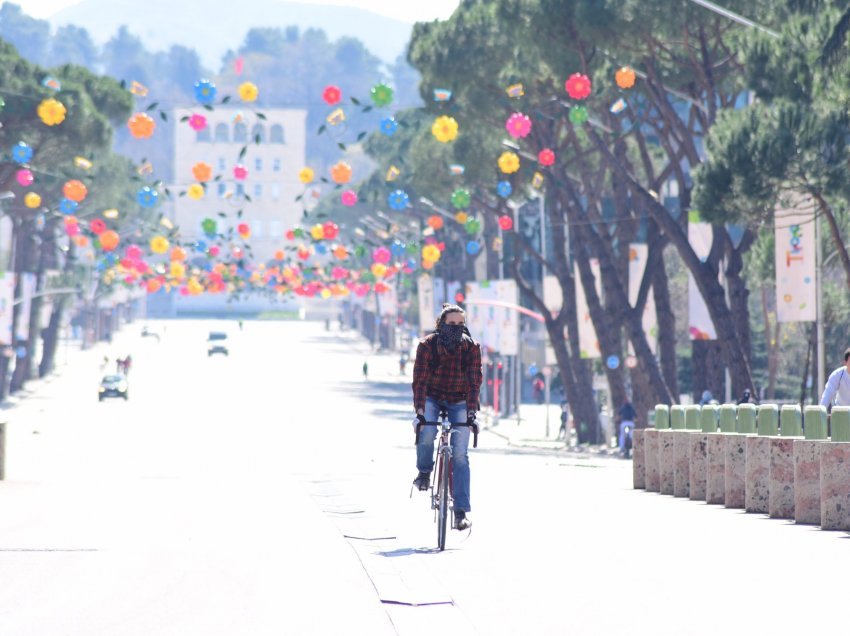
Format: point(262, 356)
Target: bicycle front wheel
point(443, 499)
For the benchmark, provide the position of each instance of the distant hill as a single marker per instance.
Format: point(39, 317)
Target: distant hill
point(212, 27)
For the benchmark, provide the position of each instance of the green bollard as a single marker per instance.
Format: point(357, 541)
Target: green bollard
point(708, 418)
point(727, 418)
point(746, 424)
point(815, 427)
point(768, 420)
point(840, 423)
point(692, 417)
point(677, 417)
point(662, 417)
point(790, 421)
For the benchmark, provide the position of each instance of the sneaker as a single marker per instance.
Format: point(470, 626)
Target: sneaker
point(462, 522)
point(422, 481)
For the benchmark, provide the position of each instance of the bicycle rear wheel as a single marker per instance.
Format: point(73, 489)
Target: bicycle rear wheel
point(443, 501)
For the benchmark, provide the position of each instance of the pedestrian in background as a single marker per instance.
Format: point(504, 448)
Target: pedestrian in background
point(365, 370)
point(837, 389)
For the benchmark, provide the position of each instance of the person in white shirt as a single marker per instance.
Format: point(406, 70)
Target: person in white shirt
point(837, 388)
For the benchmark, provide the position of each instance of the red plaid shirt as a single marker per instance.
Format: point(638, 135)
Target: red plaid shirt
point(447, 381)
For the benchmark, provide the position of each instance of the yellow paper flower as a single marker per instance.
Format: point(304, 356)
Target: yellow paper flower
point(159, 245)
point(461, 217)
point(379, 270)
point(177, 270)
point(51, 112)
point(306, 175)
point(444, 129)
point(32, 200)
point(325, 293)
point(195, 192)
point(317, 232)
point(508, 162)
point(430, 253)
point(248, 91)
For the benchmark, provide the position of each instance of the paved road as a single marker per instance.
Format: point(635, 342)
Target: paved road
point(268, 493)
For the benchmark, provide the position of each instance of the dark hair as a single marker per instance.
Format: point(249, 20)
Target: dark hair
point(846, 354)
point(448, 308)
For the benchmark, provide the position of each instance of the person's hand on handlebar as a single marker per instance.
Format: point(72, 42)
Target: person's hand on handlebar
point(470, 418)
point(420, 416)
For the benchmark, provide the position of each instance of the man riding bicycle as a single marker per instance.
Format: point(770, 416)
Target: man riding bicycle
point(447, 375)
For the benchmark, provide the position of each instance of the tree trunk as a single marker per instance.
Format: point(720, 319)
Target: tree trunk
point(708, 369)
point(51, 338)
point(666, 329)
point(772, 341)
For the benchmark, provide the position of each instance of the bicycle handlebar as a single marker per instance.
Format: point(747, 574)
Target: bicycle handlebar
point(473, 425)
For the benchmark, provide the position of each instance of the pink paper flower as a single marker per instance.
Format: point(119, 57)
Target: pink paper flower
point(349, 198)
point(240, 172)
point(332, 95)
point(197, 122)
point(518, 125)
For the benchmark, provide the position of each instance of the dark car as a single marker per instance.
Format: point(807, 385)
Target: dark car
point(216, 343)
point(113, 386)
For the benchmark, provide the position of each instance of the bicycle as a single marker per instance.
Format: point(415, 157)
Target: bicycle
point(441, 491)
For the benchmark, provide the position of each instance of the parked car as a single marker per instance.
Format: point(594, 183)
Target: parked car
point(216, 343)
point(113, 386)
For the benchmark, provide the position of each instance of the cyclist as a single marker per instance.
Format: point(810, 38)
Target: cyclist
point(447, 374)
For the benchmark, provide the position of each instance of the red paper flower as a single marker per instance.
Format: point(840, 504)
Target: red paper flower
point(578, 86)
point(97, 226)
point(546, 157)
point(332, 95)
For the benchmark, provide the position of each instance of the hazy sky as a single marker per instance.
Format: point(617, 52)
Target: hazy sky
point(407, 10)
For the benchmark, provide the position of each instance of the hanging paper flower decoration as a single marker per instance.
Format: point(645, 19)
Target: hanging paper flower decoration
point(205, 92)
point(209, 226)
point(195, 192)
point(159, 245)
point(177, 270)
point(147, 197)
point(340, 252)
point(248, 92)
point(332, 95)
point(240, 172)
point(381, 255)
point(21, 152)
point(243, 230)
point(306, 175)
point(381, 94)
point(546, 157)
point(177, 253)
point(389, 126)
point(435, 222)
point(202, 172)
point(24, 177)
point(444, 129)
point(506, 222)
point(330, 230)
point(430, 254)
point(504, 189)
point(141, 125)
point(75, 190)
point(109, 240)
point(67, 206)
point(578, 115)
point(508, 162)
point(472, 248)
point(32, 200)
point(625, 77)
point(618, 106)
point(317, 232)
point(472, 225)
point(197, 122)
point(349, 198)
point(398, 200)
point(518, 125)
point(341, 173)
point(578, 86)
point(97, 226)
point(461, 217)
point(461, 198)
point(51, 112)
point(379, 270)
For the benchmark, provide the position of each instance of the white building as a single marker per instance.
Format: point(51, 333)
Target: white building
point(272, 182)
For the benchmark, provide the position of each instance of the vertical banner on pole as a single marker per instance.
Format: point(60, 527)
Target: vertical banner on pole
point(700, 324)
point(638, 254)
point(7, 297)
point(507, 319)
point(425, 292)
point(796, 292)
point(27, 291)
point(588, 342)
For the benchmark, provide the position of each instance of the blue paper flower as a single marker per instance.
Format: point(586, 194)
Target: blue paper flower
point(398, 199)
point(389, 126)
point(473, 247)
point(205, 92)
point(21, 152)
point(321, 248)
point(147, 197)
point(398, 248)
point(504, 189)
point(66, 206)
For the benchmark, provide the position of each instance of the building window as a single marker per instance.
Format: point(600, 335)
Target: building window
point(240, 190)
point(222, 163)
point(275, 191)
point(204, 135)
point(276, 165)
point(258, 134)
point(258, 164)
point(222, 188)
point(276, 134)
point(240, 132)
point(222, 133)
point(257, 229)
point(274, 229)
point(258, 190)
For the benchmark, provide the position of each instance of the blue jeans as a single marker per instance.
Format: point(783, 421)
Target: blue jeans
point(460, 443)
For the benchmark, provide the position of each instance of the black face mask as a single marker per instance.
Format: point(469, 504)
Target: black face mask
point(451, 335)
